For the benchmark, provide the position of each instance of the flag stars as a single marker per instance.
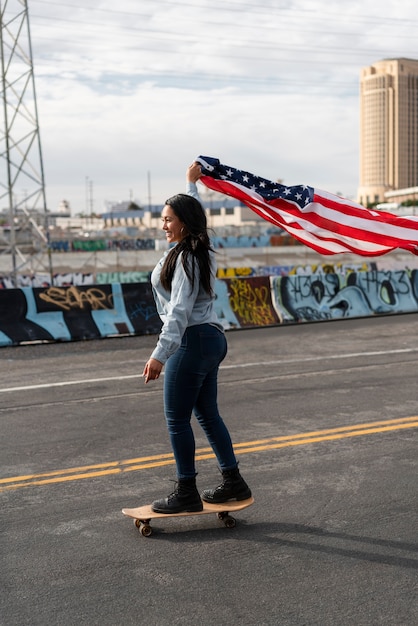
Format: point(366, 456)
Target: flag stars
point(300, 195)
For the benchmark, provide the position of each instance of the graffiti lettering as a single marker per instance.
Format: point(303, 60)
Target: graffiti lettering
point(231, 272)
point(70, 298)
point(108, 278)
point(331, 268)
point(301, 287)
point(251, 304)
point(141, 310)
point(386, 290)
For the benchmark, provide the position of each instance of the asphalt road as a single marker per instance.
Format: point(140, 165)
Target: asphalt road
point(324, 417)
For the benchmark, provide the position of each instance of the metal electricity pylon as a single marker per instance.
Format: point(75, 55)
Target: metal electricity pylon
point(22, 181)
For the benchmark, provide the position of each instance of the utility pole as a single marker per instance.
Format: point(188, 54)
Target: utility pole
point(21, 163)
point(149, 189)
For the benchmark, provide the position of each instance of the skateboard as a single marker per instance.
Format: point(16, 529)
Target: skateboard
point(143, 515)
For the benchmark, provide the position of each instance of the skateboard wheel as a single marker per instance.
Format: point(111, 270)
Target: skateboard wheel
point(145, 530)
point(230, 522)
point(137, 523)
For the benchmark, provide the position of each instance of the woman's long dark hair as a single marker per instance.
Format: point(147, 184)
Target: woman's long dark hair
point(195, 245)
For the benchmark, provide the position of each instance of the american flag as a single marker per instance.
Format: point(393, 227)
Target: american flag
point(323, 221)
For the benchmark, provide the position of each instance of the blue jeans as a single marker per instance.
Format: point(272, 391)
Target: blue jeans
point(191, 385)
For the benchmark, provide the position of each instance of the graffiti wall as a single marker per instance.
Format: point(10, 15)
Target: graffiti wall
point(94, 245)
point(77, 312)
point(132, 276)
point(355, 294)
point(75, 278)
point(232, 241)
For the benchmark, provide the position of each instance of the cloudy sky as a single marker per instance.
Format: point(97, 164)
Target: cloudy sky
point(129, 92)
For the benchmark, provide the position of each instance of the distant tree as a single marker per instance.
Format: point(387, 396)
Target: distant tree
point(134, 207)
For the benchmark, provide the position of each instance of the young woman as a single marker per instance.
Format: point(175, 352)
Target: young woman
point(191, 346)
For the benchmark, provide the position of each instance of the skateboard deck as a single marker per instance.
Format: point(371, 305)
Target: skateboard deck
point(142, 515)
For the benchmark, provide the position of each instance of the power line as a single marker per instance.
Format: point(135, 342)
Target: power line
point(243, 6)
point(145, 38)
point(257, 40)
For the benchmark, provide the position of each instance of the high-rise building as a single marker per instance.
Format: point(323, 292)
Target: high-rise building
point(388, 128)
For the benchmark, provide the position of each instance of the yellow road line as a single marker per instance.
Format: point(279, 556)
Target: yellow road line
point(260, 445)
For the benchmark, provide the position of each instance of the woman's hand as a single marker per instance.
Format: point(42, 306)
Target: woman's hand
point(152, 370)
point(194, 172)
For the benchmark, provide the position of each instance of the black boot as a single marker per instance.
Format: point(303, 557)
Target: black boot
point(233, 487)
point(185, 498)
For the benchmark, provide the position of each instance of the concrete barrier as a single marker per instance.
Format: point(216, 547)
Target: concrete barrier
point(92, 311)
